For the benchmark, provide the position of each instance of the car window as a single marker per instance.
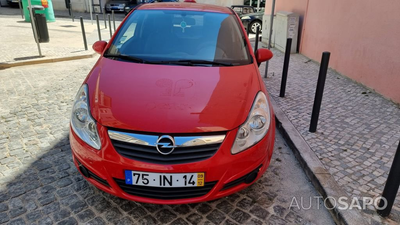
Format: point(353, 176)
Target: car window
point(246, 10)
point(162, 35)
point(237, 9)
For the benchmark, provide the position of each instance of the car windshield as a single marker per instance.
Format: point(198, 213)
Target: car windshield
point(151, 36)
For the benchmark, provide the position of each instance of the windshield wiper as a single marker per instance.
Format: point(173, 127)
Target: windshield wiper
point(196, 61)
point(192, 62)
point(126, 57)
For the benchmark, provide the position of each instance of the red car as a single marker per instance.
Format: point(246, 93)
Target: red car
point(175, 110)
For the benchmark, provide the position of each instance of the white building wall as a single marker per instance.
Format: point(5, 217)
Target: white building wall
point(77, 5)
point(221, 2)
point(58, 4)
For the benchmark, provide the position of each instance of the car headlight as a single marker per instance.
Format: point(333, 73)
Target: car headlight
point(82, 123)
point(255, 127)
point(245, 18)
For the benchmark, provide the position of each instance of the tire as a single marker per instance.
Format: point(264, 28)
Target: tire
point(253, 26)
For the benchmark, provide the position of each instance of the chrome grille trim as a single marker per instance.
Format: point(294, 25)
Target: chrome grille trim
point(150, 148)
point(150, 140)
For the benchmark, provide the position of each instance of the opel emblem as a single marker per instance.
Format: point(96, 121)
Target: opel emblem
point(165, 145)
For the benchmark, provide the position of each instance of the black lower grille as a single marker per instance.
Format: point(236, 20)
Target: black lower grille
point(98, 179)
point(89, 174)
point(239, 180)
point(165, 193)
point(234, 183)
point(178, 156)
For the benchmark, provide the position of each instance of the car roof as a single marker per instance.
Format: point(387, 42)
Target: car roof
point(186, 6)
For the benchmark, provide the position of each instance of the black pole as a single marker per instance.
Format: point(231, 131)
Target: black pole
point(98, 26)
point(256, 44)
point(83, 33)
point(109, 24)
point(113, 18)
point(391, 186)
point(320, 91)
point(72, 12)
point(248, 31)
point(21, 9)
point(104, 16)
point(285, 67)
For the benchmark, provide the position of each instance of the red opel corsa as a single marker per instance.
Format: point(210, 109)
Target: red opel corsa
point(175, 110)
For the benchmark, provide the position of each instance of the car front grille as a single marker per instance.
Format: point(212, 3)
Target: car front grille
point(165, 193)
point(151, 155)
point(187, 150)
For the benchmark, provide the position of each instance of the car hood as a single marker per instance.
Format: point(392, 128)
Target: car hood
point(171, 99)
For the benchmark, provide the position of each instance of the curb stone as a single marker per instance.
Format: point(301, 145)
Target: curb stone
point(319, 176)
point(46, 60)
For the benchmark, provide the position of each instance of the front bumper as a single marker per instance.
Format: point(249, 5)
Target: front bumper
point(224, 173)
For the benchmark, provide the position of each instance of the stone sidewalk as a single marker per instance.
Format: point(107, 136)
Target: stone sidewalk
point(358, 130)
point(18, 46)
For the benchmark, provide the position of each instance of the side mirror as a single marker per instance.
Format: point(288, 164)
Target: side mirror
point(263, 55)
point(99, 46)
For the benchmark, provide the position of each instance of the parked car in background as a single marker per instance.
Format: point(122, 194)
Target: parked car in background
point(254, 3)
point(252, 20)
point(243, 9)
point(117, 5)
point(13, 3)
point(175, 110)
point(122, 5)
point(134, 3)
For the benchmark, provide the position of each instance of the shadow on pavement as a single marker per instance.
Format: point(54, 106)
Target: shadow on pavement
point(51, 190)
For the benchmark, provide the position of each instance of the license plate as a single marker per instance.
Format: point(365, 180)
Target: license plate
point(164, 179)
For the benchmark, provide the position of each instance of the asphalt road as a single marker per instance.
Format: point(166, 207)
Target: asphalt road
point(40, 185)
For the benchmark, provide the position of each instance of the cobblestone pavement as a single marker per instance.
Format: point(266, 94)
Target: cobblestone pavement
point(40, 185)
point(18, 43)
point(358, 130)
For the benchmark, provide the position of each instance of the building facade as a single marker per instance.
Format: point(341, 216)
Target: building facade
point(362, 36)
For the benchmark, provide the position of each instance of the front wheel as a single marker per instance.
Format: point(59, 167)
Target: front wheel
point(253, 26)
